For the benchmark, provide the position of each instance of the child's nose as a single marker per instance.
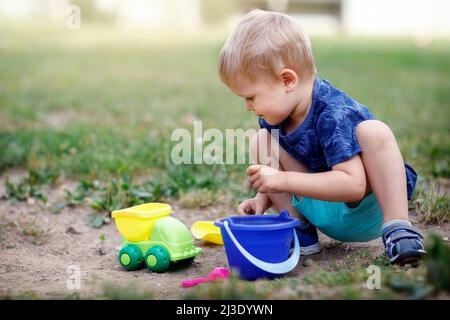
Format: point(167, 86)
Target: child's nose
point(248, 105)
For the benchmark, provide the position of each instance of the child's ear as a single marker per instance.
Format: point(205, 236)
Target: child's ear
point(290, 79)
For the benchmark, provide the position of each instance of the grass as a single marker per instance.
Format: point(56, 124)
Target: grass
point(100, 102)
point(111, 291)
point(233, 289)
point(29, 186)
point(346, 279)
point(438, 260)
point(199, 199)
point(324, 284)
point(36, 233)
point(432, 203)
point(429, 280)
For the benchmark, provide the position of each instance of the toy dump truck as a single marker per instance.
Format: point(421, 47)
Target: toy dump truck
point(152, 237)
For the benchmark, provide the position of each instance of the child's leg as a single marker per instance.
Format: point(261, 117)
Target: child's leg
point(386, 174)
point(384, 167)
point(263, 147)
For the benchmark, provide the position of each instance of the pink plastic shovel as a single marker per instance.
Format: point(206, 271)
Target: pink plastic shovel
point(214, 275)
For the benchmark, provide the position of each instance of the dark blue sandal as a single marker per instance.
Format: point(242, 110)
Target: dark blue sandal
point(403, 244)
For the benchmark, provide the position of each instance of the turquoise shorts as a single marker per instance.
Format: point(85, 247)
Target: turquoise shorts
point(341, 222)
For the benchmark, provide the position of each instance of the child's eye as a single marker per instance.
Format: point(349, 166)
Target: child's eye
point(249, 99)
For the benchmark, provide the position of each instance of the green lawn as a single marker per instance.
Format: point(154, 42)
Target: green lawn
point(99, 102)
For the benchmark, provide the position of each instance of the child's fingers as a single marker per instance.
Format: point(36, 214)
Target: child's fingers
point(245, 207)
point(257, 184)
point(253, 169)
point(253, 177)
point(259, 209)
point(249, 210)
point(262, 189)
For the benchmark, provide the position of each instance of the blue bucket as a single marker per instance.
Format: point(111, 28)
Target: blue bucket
point(258, 246)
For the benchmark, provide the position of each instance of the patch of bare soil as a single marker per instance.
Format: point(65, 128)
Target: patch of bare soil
point(40, 250)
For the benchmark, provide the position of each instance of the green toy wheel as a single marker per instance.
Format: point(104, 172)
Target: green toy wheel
point(130, 257)
point(157, 259)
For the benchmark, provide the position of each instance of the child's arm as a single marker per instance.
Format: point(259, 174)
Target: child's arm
point(346, 182)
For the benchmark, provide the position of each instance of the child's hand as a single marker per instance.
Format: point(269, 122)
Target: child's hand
point(265, 178)
point(256, 205)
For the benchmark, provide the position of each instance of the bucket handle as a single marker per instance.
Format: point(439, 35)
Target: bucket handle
point(276, 268)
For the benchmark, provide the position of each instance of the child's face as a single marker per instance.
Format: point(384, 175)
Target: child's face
point(268, 100)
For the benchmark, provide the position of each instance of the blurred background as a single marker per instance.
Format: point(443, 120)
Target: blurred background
point(420, 19)
point(92, 89)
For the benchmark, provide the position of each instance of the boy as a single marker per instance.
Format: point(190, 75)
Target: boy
point(334, 165)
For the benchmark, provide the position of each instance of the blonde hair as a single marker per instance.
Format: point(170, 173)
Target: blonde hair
point(262, 44)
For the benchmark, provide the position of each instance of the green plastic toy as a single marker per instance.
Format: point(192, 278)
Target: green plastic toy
point(152, 237)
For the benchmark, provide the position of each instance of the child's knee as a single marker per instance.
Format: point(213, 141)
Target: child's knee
point(374, 133)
